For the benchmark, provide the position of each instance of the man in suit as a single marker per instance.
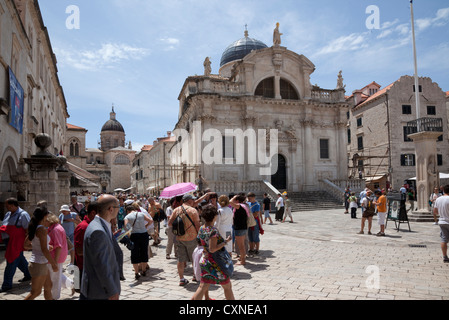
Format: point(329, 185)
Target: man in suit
point(101, 271)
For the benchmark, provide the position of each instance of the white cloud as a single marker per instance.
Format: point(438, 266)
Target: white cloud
point(441, 18)
point(171, 43)
point(389, 24)
point(137, 146)
point(351, 42)
point(107, 56)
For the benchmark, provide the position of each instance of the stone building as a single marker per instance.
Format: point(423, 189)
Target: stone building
point(31, 97)
point(151, 171)
point(447, 105)
point(296, 131)
point(102, 169)
point(378, 144)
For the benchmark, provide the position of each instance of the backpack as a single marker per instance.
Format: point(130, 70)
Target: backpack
point(370, 208)
point(178, 227)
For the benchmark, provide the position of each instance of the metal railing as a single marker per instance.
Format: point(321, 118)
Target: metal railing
point(424, 125)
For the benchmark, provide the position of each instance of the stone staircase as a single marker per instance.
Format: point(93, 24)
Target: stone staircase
point(305, 200)
point(313, 200)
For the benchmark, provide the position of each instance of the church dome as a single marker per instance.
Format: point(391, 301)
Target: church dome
point(241, 48)
point(112, 124)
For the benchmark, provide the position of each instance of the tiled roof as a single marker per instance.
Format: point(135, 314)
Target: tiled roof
point(147, 148)
point(73, 127)
point(377, 94)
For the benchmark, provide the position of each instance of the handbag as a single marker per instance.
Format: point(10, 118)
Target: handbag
point(224, 261)
point(251, 220)
point(127, 241)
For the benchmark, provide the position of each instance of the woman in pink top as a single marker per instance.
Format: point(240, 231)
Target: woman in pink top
point(58, 240)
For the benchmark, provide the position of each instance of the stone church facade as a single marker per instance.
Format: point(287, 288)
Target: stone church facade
point(259, 89)
point(102, 169)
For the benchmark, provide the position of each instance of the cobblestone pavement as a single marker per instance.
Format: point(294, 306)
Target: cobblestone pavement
point(319, 256)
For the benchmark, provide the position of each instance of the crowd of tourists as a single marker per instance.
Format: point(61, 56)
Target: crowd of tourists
point(210, 232)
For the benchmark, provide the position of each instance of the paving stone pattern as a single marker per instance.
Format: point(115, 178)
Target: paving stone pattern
point(319, 256)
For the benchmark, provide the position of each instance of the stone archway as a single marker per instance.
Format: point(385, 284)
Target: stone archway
point(7, 185)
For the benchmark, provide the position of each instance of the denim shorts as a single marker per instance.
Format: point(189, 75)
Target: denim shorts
point(239, 233)
point(266, 213)
point(253, 234)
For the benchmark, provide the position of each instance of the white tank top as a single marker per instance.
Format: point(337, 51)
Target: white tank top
point(36, 253)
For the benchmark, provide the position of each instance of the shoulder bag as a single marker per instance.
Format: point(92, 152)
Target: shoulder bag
point(224, 261)
point(251, 220)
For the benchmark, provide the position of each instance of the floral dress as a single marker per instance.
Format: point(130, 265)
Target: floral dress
point(210, 271)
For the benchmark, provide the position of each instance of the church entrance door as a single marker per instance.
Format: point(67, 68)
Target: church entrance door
point(279, 179)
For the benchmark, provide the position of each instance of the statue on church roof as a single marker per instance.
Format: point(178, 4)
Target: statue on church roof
point(340, 84)
point(207, 67)
point(277, 36)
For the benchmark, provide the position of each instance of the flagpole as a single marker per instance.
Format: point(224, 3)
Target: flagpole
point(418, 106)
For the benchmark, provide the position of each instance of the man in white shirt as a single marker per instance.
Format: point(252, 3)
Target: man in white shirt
point(280, 208)
point(441, 209)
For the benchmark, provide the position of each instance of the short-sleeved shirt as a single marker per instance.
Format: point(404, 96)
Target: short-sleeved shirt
point(58, 239)
point(68, 226)
point(280, 202)
point(442, 204)
point(77, 207)
point(382, 206)
point(139, 225)
point(19, 218)
point(121, 213)
point(255, 206)
point(287, 204)
point(266, 203)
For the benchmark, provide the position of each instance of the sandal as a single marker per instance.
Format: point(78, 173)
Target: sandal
point(183, 282)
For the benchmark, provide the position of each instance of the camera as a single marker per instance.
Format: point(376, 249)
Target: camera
point(127, 242)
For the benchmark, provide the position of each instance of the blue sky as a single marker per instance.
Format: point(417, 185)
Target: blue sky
point(136, 54)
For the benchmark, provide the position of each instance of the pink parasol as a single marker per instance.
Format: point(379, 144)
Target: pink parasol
point(178, 190)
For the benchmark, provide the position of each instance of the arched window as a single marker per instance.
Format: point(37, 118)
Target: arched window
point(266, 88)
point(122, 159)
point(74, 148)
point(287, 91)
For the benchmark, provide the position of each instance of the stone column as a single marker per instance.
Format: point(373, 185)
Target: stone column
point(44, 180)
point(63, 181)
point(427, 176)
point(277, 87)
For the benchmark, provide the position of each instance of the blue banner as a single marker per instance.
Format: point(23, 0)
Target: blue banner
point(16, 98)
